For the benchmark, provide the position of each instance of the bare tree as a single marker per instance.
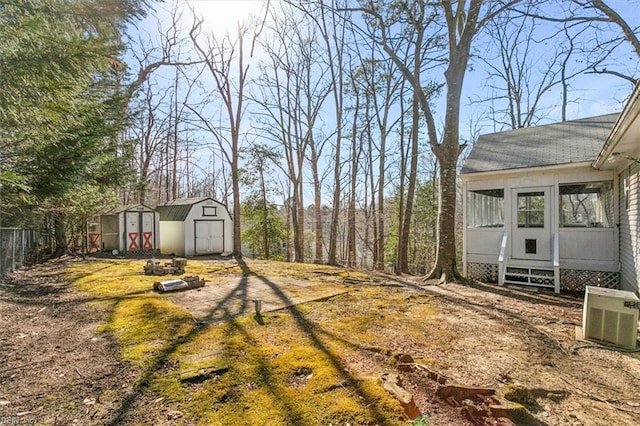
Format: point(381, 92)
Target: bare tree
point(291, 92)
point(334, 36)
point(460, 22)
point(147, 134)
point(225, 58)
point(526, 68)
point(156, 122)
point(601, 18)
point(356, 151)
point(380, 83)
point(330, 17)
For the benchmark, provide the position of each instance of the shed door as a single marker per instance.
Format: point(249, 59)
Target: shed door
point(531, 223)
point(209, 236)
point(148, 229)
point(132, 220)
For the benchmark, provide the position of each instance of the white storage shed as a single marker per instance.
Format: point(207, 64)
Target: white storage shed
point(195, 226)
point(131, 228)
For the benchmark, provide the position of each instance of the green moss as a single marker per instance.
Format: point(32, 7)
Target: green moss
point(146, 326)
point(169, 387)
point(287, 369)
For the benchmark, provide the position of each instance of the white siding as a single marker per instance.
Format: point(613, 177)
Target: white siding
point(483, 244)
point(630, 227)
point(172, 238)
point(593, 249)
point(203, 211)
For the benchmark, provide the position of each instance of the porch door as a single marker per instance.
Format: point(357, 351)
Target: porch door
point(531, 223)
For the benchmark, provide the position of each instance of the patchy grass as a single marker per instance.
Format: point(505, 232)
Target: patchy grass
point(288, 368)
point(303, 271)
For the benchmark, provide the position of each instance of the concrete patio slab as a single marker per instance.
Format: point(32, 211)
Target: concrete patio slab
point(233, 296)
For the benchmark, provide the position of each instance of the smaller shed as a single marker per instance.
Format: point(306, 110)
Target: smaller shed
point(195, 226)
point(131, 228)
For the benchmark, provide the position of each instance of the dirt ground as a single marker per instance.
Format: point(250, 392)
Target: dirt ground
point(516, 337)
point(56, 368)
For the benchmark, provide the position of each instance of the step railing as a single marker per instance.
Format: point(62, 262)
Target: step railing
point(502, 259)
point(556, 262)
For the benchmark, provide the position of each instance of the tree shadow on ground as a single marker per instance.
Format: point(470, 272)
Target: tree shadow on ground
point(312, 330)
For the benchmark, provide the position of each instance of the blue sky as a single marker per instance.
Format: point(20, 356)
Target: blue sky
point(590, 94)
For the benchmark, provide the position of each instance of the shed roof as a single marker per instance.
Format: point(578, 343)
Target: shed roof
point(186, 201)
point(127, 208)
point(547, 145)
point(178, 209)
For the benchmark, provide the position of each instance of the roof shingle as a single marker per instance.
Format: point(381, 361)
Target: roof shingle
point(547, 145)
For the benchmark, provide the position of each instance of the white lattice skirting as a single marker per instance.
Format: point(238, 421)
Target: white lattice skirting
point(570, 279)
point(485, 272)
point(577, 280)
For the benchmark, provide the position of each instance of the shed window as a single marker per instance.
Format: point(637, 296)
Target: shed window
point(531, 209)
point(485, 208)
point(209, 211)
point(586, 205)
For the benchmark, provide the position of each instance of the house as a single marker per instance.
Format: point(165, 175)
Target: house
point(195, 226)
point(620, 154)
point(130, 228)
point(556, 205)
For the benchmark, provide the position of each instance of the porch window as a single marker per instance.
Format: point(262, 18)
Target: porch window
point(586, 205)
point(531, 209)
point(485, 208)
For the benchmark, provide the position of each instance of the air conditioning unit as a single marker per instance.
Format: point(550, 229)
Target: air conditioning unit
point(611, 316)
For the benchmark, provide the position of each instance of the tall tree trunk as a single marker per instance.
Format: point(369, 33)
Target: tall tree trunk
point(317, 203)
point(351, 214)
point(401, 187)
point(297, 215)
point(445, 267)
point(60, 234)
point(380, 215)
point(235, 183)
point(265, 213)
point(174, 181)
point(335, 51)
point(447, 153)
point(372, 208)
point(167, 169)
point(287, 206)
point(403, 256)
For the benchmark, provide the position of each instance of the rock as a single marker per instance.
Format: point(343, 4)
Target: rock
point(474, 414)
point(174, 414)
point(185, 283)
point(460, 392)
point(403, 359)
point(392, 384)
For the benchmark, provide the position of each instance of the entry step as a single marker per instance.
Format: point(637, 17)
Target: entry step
point(539, 277)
